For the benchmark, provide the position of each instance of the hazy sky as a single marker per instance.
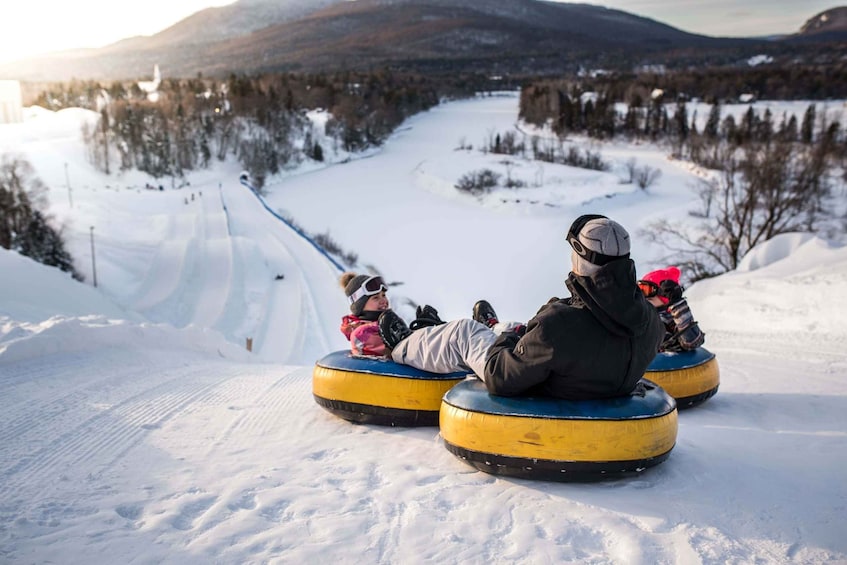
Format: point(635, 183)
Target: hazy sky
point(29, 27)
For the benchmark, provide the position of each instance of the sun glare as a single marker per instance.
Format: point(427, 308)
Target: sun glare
point(30, 28)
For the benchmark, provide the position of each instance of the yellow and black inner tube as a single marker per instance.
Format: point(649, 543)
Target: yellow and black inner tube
point(555, 439)
point(368, 390)
point(691, 377)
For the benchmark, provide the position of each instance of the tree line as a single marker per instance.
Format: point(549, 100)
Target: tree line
point(24, 226)
point(725, 84)
point(259, 120)
point(769, 174)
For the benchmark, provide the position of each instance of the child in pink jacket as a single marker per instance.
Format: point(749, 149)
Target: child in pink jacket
point(367, 301)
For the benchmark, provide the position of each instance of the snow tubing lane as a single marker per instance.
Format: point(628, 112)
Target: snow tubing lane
point(691, 377)
point(370, 390)
point(559, 440)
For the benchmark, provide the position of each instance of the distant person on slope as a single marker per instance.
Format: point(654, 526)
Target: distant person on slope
point(595, 344)
point(663, 291)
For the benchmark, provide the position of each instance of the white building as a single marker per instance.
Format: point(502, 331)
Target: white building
point(11, 106)
point(151, 87)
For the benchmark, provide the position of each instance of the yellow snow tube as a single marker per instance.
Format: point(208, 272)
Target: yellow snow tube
point(555, 439)
point(369, 390)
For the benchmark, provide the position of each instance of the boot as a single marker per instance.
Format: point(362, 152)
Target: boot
point(392, 329)
point(484, 313)
point(426, 316)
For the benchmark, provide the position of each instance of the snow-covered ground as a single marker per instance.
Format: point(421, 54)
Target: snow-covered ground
point(135, 427)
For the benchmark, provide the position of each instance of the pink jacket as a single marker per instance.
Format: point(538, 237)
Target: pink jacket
point(363, 335)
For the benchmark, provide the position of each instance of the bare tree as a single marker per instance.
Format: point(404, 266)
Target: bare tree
point(647, 176)
point(630, 167)
point(761, 191)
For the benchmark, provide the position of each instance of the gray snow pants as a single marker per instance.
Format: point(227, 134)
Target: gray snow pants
point(460, 345)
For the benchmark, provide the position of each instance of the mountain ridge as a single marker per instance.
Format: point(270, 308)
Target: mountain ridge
point(829, 25)
point(488, 36)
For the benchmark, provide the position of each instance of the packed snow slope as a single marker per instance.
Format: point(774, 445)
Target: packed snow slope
point(136, 427)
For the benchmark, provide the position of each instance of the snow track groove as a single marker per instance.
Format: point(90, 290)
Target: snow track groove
point(271, 399)
point(101, 436)
point(213, 272)
point(25, 396)
point(166, 271)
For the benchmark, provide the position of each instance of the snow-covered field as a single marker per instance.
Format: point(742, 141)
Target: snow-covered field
point(135, 427)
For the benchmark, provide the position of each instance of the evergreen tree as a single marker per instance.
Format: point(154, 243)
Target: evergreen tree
point(748, 125)
point(42, 243)
point(764, 128)
point(23, 227)
point(631, 121)
point(713, 123)
point(19, 193)
point(788, 132)
point(104, 139)
point(566, 120)
point(729, 130)
point(680, 120)
point(807, 129)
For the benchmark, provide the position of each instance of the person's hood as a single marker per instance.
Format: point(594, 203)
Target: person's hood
point(613, 296)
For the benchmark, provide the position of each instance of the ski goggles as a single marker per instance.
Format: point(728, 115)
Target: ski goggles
point(371, 286)
point(648, 288)
point(592, 257)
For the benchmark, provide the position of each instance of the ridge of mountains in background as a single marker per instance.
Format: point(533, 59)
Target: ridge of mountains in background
point(430, 36)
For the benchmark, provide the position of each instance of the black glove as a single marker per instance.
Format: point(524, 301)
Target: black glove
point(670, 290)
point(429, 312)
point(426, 316)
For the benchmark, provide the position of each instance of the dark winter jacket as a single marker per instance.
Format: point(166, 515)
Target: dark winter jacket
point(596, 344)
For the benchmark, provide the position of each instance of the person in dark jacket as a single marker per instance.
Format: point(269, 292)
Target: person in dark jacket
point(595, 344)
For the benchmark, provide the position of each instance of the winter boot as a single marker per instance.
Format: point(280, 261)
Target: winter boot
point(392, 329)
point(484, 313)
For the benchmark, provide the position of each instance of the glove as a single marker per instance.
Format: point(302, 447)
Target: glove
point(429, 312)
point(692, 337)
point(670, 290)
point(426, 316)
point(519, 330)
point(681, 314)
point(687, 330)
point(671, 344)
